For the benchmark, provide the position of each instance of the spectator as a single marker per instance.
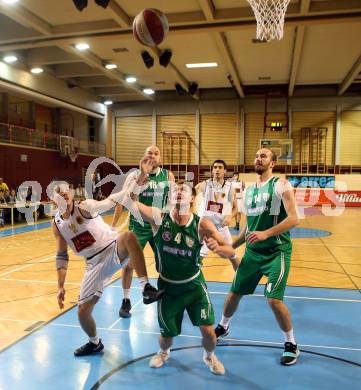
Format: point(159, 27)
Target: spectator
point(4, 213)
point(96, 191)
point(3, 185)
point(12, 196)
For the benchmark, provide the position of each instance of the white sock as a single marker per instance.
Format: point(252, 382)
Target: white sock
point(94, 340)
point(225, 321)
point(289, 337)
point(126, 293)
point(167, 351)
point(209, 354)
point(143, 280)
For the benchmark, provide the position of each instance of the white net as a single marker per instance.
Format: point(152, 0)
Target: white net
point(270, 16)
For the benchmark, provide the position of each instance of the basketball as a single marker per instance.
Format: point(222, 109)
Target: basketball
point(150, 27)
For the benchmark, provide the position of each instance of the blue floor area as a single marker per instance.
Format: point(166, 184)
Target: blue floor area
point(298, 233)
point(295, 233)
point(326, 323)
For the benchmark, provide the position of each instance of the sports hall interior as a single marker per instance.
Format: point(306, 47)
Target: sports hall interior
point(305, 87)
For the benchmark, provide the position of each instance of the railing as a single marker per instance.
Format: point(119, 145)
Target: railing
point(14, 134)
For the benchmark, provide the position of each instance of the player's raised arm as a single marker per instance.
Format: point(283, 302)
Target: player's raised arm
point(215, 241)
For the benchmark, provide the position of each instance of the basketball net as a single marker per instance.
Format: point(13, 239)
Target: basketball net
point(270, 16)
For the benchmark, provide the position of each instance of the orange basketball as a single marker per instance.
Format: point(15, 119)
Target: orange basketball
point(150, 27)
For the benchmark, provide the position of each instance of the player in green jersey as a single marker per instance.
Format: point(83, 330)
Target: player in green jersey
point(154, 194)
point(178, 237)
point(271, 212)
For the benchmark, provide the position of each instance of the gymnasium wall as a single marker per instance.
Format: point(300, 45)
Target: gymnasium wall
point(231, 129)
point(41, 165)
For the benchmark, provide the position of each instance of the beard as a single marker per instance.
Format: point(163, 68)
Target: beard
point(260, 169)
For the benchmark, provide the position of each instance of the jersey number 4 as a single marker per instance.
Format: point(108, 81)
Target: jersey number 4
point(178, 238)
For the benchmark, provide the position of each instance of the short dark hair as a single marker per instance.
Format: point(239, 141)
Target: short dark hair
point(220, 162)
point(189, 184)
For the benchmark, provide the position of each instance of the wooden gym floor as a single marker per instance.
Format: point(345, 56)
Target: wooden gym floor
point(28, 276)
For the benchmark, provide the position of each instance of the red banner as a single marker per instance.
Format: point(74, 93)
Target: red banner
point(317, 197)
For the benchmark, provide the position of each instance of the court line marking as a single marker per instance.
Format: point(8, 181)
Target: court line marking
point(119, 319)
point(211, 292)
point(227, 339)
point(26, 266)
point(189, 336)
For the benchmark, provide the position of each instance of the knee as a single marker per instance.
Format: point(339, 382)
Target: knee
point(208, 331)
point(128, 237)
point(275, 304)
point(83, 311)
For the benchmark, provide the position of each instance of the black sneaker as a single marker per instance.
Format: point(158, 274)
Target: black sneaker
point(151, 294)
point(290, 354)
point(125, 308)
point(89, 348)
point(221, 331)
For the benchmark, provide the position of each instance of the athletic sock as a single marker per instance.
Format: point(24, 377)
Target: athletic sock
point(289, 337)
point(209, 354)
point(94, 340)
point(126, 293)
point(143, 280)
point(225, 321)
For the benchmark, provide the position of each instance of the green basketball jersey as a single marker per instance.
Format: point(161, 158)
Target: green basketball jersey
point(178, 251)
point(264, 209)
point(155, 195)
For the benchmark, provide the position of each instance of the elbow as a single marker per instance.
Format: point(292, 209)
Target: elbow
point(296, 221)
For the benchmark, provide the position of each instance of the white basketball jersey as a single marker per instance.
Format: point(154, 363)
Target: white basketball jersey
point(238, 189)
point(217, 201)
point(85, 236)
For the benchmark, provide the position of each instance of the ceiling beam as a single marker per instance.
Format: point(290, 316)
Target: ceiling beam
point(118, 14)
point(350, 77)
point(49, 56)
point(93, 60)
point(297, 48)
point(26, 18)
point(66, 71)
point(111, 91)
point(296, 57)
point(292, 20)
point(96, 82)
point(224, 50)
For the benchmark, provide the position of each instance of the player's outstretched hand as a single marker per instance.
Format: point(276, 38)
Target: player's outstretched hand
point(61, 297)
point(256, 236)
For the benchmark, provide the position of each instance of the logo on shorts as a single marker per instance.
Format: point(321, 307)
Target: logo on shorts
point(203, 314)
point(167, 236)
point(189, 241)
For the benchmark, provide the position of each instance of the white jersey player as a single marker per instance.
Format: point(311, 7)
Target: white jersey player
point(216, 202)
point(104, 251)
point(238, 187)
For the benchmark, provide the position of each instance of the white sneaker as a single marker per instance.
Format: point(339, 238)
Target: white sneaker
point(158, 359)
point(214, 364)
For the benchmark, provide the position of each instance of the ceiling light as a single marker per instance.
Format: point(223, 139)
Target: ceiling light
point(147, 59)
point(180, 90)
point(82, 46)
point(37, 70)
point(103, 3)
point(192, 89)
point(202, 65)
point(148, 91)
point(111, 66)
point(165, 58)
point(10, 59)
point(108, 102)
point(130, 79)
point(80, 4)
point(9, 1)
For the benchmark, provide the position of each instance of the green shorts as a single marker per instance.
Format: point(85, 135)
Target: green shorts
point(171, 309)
point(254, 265)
